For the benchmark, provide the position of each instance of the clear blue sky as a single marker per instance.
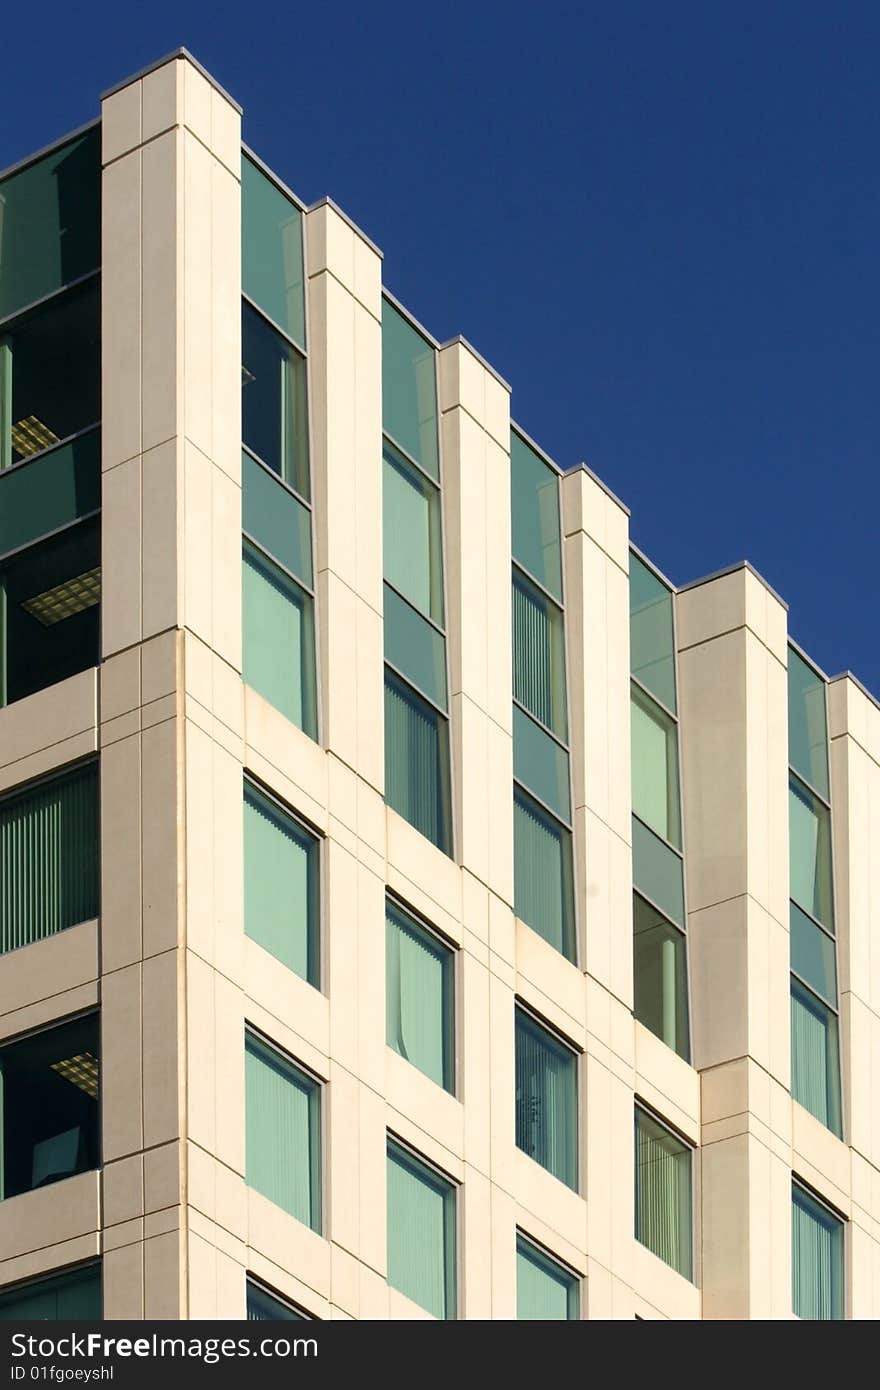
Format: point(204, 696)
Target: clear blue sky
point(661, 223)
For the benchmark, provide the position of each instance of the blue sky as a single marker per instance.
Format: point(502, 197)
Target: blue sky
point(659, 222)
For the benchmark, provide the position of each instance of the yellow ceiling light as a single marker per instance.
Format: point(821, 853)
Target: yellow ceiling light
point(30, 435)
point(81, 1071)
point(73, 596)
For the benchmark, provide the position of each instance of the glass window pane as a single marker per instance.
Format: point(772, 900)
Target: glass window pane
point(75, 1297)
point(50, 223)
point(660, 966)
point(421, 1234)
point(415, 648)
point(545, 1292)
point(655, 797)
point(49, 1087)
point(663, 1194)
point(541, 764)
point(652, 651)
point(272, 251)
point(276, 520)
point(816, 1258)
point(50, 611)
point(283, 1129)
point(546, 1100)
point(811, 884)
point(49, 858)
point(813, 955)
point(274, 414)
point(538, 655)
point(409, 390)
point(281, 893)
point(51, 492)
point(417, 762)
point(418, 997)
point(815, 1057)
point(278, 640)
point(657, 871)
point(807, 728)
point(543, 879)
point(412, 539)
point(534, 510)
point(261, 1306)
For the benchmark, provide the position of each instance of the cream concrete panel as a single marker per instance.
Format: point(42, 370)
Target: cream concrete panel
point(161, 511)
point(50, 1259)
point(603, 867)
point(368, 428)
point(368, 275)
point(162, 96)
point(336, 462)
point(120, 684)
point(537, 1191)
point(667, 1082)
point(120, 124)
point(500, 824)
point(778, 1226)
point(472, 793)
point(228, 862)
point(198, 352)
point(585, 613)
point(861, 1057)
point(465, 504)
point(71, 750)
point(121, 874)
point(226, 567)
point(121, 558)
point(121, 297)
point(599, 1153)
point(226, 132)
point(342, 794)
point(287, 1242)
point(163, 1177)
point(283, 1282)
point(161, 837)
point(197, 105)
point(121, 1063)
point(229, 1074)
point(475, 908)
point(424, 1103)
point(122, 1283)
point(341, 1158)
point(502, 933)
point(774, 951)
point(502, 1283)
point(202, 1073)
point(413, 859)
point(502, 1086)
point(371, 977)
point(370, 697)
point(338, 605)
point(123, 1190)
point(165, 1276)
point(341, 952)
point(162, 252)
point(48, 968)
point(820, 1158)
point(475, 1246)
point(673, 1296)
point(48, 717)
point(230, 1275)
point(54, 1009)
point(281, 993)
point(225, 309)
point(766, 779)
point(162, 986)
point(50, 1215)
point(499, 660)
point(718, 947)
point(475, 1060)
point(766, 615)
point(372, 1180)
point(345, 1283)
point(550, 984)
point(724, 1090)
point(725, 1228)
point(714, 729)
point(708, 610)
point(285, 758)
point(124, 1234)
point(202, 1285)
point(199, 785)
point(198, 552)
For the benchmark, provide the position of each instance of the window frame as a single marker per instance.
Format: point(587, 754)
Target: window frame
point(642, 1106)
point(252, 1281)
point(546, 1257)
point(522, 1009)
point(309, 681)
point(262, 789)
point(453, 969)
point(415, 1159)
point(66, 1273)
point(815, 1200)
point(320, 1085)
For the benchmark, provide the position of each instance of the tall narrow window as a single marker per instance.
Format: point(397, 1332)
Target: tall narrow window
point(543, 867)
point(281, 884)
point(49, 1084)
point(546, 1099)
point(49, 857)
point(417, 773)
point(815, 1043)
point(283, 1126)
point(421, 1233)
point(816, 1257)
point(278, 603)
point(545, 1290)
point(71, 1297)
point(419, 995)
point(664, 1193)
point(659, 941)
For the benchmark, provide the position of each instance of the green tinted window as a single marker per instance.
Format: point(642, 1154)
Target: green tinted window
point(276, 520)
point(815, 1056)
point(664, 1201)
point(813, 955)
point(272, 252)
point(412, 552)
point(278, 639)
point(816, 1258)
point(652, 652)
point(545, 1291)
point(538, 655)
point(810, 854)
point(543, 879)
point(540, 764)
point(417, 762)
point(655, 796)
point(421, 1233)
point(660, 977)
point(74, 1297)
point(409, 390)
point(283, 1132)
point(534, 510)
point(50, 492)
point(415, 648)
point(419, 984)
point(546, 1100)
point(807, 728)
point(262, 1307)
point(657, 871)
point(50, 223)
point(281, 891)
point(274, 414)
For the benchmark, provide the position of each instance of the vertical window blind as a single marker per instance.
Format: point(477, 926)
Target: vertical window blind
point(281, 893)
point(545, 1292)
point(542, 875)
point(418, 997)
point(421, 1233)
point(546, 1100)
point(663, 1194)
point(814, 1070)
point(816, 1259)
point(49, 858)
point(532, 652)
point(416, 762)
point(283, 1133)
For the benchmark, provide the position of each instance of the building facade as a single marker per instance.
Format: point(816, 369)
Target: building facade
point(411, 903)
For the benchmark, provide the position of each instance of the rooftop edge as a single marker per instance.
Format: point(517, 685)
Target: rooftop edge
point(182, 53)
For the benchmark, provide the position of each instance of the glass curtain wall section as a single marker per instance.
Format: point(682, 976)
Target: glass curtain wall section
point(50, 411)
point(815, 1033)
point(659, 921)
point(817, 1280)
point(417, 763)
point(278, 595)
point(542, 810)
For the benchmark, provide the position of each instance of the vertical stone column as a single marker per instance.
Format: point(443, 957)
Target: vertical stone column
point(170, 702)
point(733, 701)
point(596, 532)
point(854, 731)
